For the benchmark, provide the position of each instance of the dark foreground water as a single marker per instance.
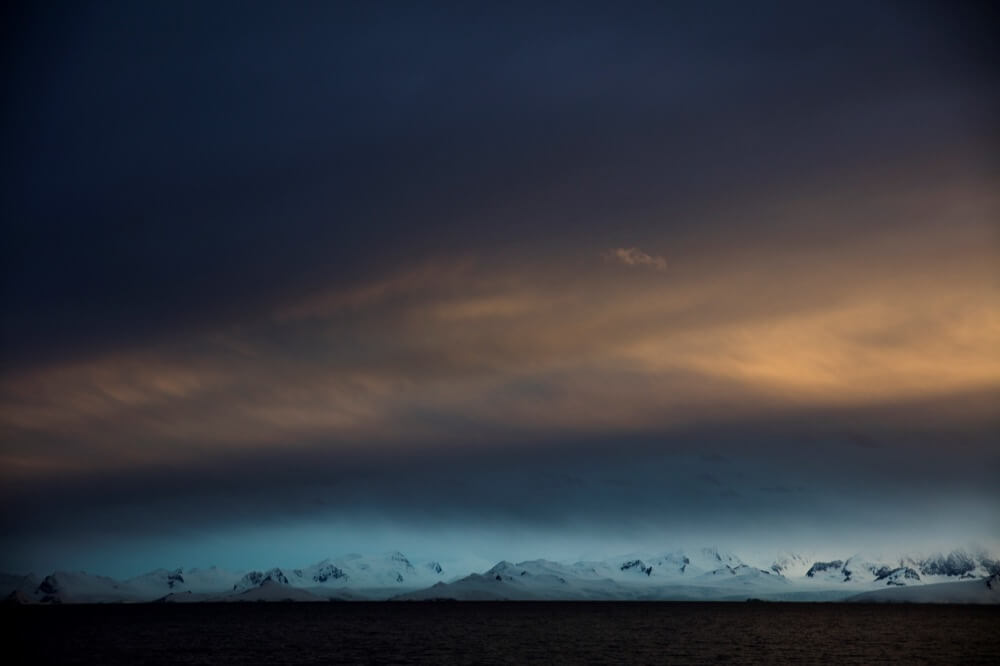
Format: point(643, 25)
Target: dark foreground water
point(321, 633)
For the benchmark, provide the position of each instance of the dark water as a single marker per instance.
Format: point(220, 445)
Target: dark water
point(513, 633)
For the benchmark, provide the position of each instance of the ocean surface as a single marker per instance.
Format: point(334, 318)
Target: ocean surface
point(502, 632)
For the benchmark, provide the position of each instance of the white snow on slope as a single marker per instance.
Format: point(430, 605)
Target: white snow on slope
point(980, 591)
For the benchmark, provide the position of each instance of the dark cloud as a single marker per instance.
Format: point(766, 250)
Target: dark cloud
point(169, 165)
point(343, 261)
point(590, 483)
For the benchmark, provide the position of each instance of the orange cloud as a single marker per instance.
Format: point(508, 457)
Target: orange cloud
point(434, 353)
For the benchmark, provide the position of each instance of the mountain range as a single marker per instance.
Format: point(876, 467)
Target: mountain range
point(703, 574)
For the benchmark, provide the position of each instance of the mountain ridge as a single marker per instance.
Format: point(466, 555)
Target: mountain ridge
point(696, 574)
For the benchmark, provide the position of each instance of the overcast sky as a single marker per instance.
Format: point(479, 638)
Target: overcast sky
point(283, 281)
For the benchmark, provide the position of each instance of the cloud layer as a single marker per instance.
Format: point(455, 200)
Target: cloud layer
point(619, 269)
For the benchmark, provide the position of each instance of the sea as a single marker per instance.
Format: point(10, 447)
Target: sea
point(502, 633)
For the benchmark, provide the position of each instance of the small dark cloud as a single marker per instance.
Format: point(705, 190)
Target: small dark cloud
point(633, 256)
point(572, 481)
point(863, 441)
point(709, 478)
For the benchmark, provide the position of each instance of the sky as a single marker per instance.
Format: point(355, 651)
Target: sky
point(479, 281)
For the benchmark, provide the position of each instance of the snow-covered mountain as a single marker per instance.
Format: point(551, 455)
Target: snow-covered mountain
point(907, 570)
point(706, 573)
point(711, 574)
point(698, 574)
point(350, 577)
point(969, 591)
point(380, 575)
